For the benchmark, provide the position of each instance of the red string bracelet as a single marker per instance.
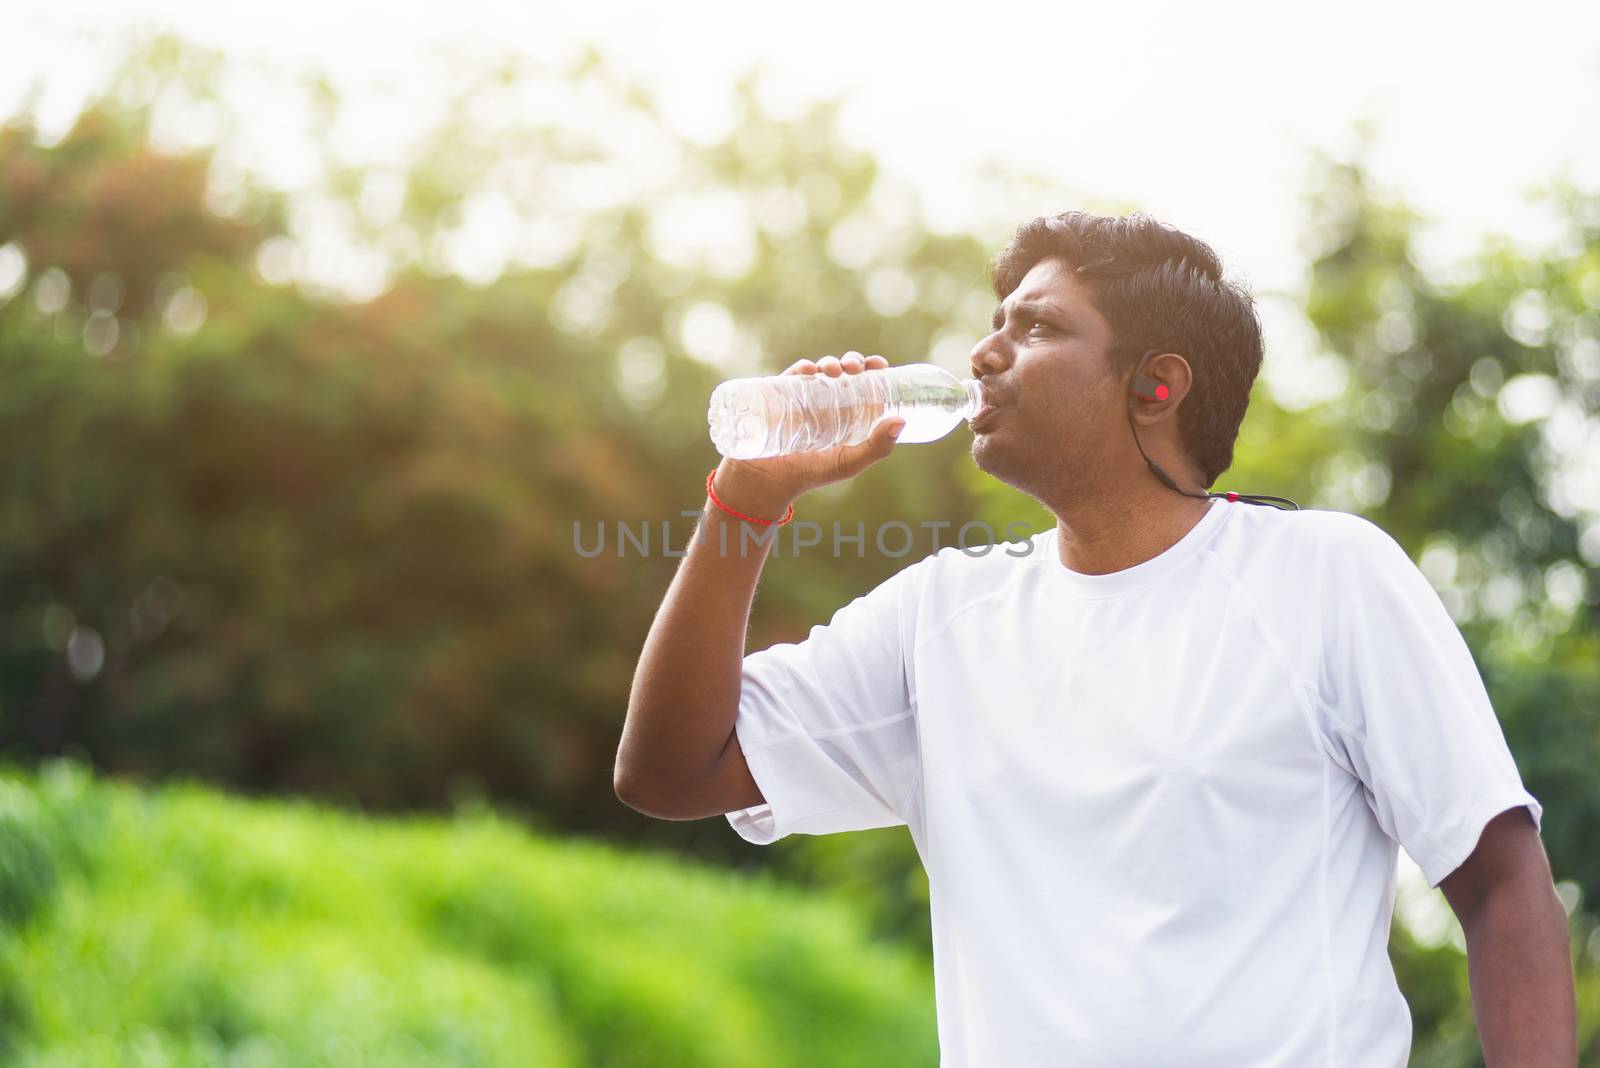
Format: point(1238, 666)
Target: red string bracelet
point(740, 515)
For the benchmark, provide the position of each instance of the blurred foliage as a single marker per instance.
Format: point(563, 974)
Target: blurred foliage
point(297, 538)
point(1435, 373)
point(1470, 414)
point(189, 929)
point(298, 543)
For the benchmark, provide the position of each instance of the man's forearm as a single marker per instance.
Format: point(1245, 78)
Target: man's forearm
point(1519, 964)
point(685, 693)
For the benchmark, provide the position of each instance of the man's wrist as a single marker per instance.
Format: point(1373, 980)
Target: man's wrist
point(749, 492)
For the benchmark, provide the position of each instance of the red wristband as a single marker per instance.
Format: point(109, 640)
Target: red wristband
point(740, 515)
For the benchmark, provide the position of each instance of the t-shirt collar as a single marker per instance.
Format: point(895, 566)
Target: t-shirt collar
point(1131, 578)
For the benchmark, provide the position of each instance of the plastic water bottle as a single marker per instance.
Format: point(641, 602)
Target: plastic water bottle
point(753, 418)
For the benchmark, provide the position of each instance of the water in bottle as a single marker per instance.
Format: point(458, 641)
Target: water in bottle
point(753, 418)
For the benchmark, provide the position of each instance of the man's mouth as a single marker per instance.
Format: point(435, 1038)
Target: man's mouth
point(988, 410)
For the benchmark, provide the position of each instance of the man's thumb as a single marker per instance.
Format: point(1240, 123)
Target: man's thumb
point(853, 458)
point(885, 436)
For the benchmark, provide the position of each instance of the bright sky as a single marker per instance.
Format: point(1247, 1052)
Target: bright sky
point(1200, 113)
point(1204, 114)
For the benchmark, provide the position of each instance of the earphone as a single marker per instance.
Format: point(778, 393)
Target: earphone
point(1146, 388)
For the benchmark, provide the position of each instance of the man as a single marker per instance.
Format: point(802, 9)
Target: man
point(1156, 761)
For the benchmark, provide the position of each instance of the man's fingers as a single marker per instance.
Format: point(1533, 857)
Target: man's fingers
point(851, 362)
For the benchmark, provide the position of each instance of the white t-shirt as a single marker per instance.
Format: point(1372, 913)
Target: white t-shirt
point(1159, 809)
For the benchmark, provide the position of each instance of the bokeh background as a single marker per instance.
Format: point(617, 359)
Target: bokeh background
point(326, 329)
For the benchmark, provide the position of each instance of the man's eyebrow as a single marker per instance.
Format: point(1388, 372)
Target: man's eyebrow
point(1032, 307)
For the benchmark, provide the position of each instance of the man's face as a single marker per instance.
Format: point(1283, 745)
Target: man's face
point(1057, 409)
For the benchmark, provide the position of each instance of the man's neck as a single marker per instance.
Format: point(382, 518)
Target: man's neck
point(1107, 533)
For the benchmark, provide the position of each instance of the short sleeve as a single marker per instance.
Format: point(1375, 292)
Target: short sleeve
point(828, 725)
point(1408, 710)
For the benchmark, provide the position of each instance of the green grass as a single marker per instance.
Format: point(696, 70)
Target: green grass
point(177, 926)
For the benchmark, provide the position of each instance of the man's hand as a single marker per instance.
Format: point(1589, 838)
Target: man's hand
point(765, 488)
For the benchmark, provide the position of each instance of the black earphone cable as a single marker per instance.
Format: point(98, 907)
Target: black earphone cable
point(1249, 498)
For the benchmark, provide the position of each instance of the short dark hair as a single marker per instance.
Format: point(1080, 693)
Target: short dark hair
point(1158, 288)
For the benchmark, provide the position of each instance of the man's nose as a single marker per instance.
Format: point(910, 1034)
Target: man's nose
point(989, 357)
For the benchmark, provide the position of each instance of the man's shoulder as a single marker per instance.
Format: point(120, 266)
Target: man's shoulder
point(1318, 564)
point(1306, 536)
point(1351, 542)
point(1288, 562)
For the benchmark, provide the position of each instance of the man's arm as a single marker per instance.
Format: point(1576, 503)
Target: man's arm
point(679, 757)
point(1519, 961)
point(685, 694)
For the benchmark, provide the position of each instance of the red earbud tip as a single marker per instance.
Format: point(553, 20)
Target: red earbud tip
point(1161, 393)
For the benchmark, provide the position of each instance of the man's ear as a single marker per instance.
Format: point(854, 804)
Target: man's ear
point(1161, 387)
